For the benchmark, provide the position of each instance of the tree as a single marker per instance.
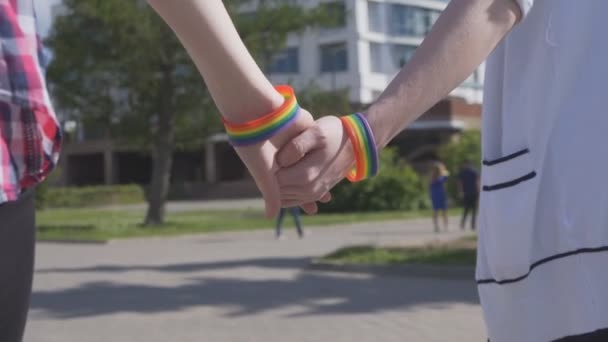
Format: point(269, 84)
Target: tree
point(321, 103)
point(117, 67)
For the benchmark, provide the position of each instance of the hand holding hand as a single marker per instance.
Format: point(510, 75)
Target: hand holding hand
point(261, 163)
point(314, 162)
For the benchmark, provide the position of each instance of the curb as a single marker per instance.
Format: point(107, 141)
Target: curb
point(74, 242)
point(408, 270)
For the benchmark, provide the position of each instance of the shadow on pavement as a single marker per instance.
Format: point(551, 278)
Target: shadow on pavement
point(313, 293)
point(277, 263)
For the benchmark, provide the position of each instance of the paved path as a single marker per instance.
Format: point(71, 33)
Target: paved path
point(241, 287)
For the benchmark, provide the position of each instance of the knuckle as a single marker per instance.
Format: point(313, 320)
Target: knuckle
point(297, 149)
point(320, 137)
point(310, 175)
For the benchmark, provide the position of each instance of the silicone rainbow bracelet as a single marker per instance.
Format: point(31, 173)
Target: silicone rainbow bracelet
point(366, 155)
point(258, 130)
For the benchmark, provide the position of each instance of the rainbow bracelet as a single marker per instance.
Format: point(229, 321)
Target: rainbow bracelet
point(258, 130)
point(366, 155)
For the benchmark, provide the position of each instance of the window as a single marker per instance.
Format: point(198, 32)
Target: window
point(375, 56)
point(335, 14)
point(375, 17)
point(411, 21)
point(285, 62)
point(401, 54)
point(334, 57)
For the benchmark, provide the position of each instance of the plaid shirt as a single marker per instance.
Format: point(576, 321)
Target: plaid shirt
point(30, 137)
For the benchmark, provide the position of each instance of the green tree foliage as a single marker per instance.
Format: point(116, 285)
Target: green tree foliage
point(321, 103)
point(453, 155)
point(121, 71)
point(396, 187)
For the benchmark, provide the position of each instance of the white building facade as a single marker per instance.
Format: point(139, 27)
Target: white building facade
point(365, 51)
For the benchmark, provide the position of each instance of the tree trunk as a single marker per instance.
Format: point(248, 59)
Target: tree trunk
point(162, 155)
point(161, 174)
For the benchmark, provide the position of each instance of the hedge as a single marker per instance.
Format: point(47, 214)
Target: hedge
point(396, 187)
point(89, 196)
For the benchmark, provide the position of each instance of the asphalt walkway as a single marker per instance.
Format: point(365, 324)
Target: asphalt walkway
point(238, 287)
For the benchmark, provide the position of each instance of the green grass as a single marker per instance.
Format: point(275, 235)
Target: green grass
point(460, 253)
point(96, 224)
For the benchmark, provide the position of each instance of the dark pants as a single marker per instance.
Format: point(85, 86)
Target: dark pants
point(470, 205)
point(295, 211)
point(17, 235)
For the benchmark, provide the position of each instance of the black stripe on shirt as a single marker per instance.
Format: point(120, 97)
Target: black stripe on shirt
point(510, 183)
point(505, 158)
point(600, 335)
point(543, 261)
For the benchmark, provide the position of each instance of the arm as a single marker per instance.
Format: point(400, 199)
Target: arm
point(464, 35)
point(206, 31)
point(238, 86)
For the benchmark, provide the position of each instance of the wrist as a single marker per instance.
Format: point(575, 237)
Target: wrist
point(364, 148)
point(252, 105)
point(381, 137)
point(265, 126)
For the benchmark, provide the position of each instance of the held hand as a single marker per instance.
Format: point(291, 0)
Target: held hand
point(261, 163)
point(314, 162)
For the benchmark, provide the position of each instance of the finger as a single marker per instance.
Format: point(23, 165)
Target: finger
point(310, 208)
point(272, 200)
point(299, 146)
point(269, 187)
point(303, 174)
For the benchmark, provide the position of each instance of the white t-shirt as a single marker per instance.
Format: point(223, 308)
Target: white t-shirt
point(542, 267)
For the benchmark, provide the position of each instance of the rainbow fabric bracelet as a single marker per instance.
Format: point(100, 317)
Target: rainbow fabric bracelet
point(258, 130)
point(366, 155)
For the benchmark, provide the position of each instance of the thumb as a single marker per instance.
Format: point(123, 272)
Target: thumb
point(298, 147)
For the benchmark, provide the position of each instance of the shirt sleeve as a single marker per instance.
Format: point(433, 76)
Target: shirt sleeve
point(525, 6)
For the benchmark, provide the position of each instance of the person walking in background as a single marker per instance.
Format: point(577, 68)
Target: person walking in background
point(468, 188)
point(439, 176)
point(295, 212)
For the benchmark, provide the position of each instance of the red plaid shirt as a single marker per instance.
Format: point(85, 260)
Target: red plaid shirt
point(30, 137)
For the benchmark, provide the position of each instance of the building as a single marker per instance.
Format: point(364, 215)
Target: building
point(361, 53)
point(364, 51)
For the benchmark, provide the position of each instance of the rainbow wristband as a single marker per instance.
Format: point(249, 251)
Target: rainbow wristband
point(366, 155)
point(258, 130)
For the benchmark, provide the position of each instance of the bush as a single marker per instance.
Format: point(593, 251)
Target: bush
point(396, 187)
point(42, 189)
point(90, 196)
point(454, 154)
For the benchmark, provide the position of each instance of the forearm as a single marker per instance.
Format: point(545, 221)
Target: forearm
point(237, 85)
point(462, 38)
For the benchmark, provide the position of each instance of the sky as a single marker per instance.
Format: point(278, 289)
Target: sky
point(43, 10)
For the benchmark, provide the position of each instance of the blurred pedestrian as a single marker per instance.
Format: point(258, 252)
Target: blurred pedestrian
point(295, 212)
point(468, 189)
point(439, 176)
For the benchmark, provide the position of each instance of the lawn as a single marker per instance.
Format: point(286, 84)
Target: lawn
point(459, 252)
point(95, 224)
